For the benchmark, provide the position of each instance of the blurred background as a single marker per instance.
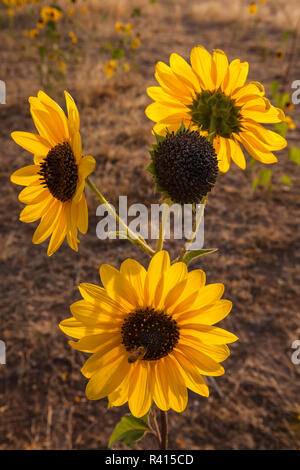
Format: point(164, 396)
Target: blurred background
point(104, 54)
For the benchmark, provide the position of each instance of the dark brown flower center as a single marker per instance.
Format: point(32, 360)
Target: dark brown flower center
point(154, 333)
point(59, 172)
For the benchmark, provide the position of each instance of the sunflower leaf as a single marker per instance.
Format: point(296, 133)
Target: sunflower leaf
point(285, 179)
point(195, 254)
point(130, 430)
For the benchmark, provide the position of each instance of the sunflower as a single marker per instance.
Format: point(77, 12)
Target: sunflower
point(210, 95)
point(51, 14)
point(150, 333)
point(55, 182)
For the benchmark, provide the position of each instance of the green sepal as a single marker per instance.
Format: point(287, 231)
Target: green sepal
point(159, 138)
point(151, 169)
point(130, 430)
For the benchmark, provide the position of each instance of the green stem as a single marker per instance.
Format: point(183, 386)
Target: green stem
point(162, 227)
point(132, 237)
point(211, 132)
point(195, 228)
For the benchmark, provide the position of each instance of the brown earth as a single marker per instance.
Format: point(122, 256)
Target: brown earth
point(256, 403)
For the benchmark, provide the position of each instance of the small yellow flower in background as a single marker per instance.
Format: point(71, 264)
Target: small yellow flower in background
point(290, 122)
point(50, 14)
point(128, 28)
point(262, 2)
point(10, 12)
point(252, 8)
point(55, 182)
point(62, 65)
point(211, 89)
point(40, 25)
point(71, 11)
point(110, 68)
point(33, 33)
point(150, 333)
point(118, 26)
point(135, 43)
point(84, 10)
point(73, 37)
point(279, 55)
point(126, 67)
point(290, 105)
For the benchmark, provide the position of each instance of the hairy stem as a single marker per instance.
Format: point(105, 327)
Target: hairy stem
point(132, 237)
point(164, 430)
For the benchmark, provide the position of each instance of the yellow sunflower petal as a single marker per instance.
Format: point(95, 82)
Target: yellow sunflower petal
point(73, 113)
point(221, 65)
point(82, 214)
point(92, 343)
point(170, 280)
point(136, 275)
point(158, 264)
point(204, 363)
point(48, 222)
point(193, 379)
point(76, 329)
point(33, 194)
point(263, 115)
point(34, 212)
point(184, 72)
point(202, 65)
point(168, 80)
point(255, 148)
point(211, 334)
point(237, 75)
point(57, 115)
point(217, 352)
point(71, 226)
point(118, 287)
point(223, 154)
point(207, 315)
point(139, 390)
point(77, 147)
point(273, 140)
point(107, 378)
point(159, 112)
point(177, 391)
point(32, 142)
point(97, 296)
point(26, 175)
point(120, 395)
point(93, 315)
point(43, 122)
point(237, 154)
point(251, 88)
point(58, 234)
point(158, 94)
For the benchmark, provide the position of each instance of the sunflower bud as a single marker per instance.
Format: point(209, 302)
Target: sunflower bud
point(184, 166)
